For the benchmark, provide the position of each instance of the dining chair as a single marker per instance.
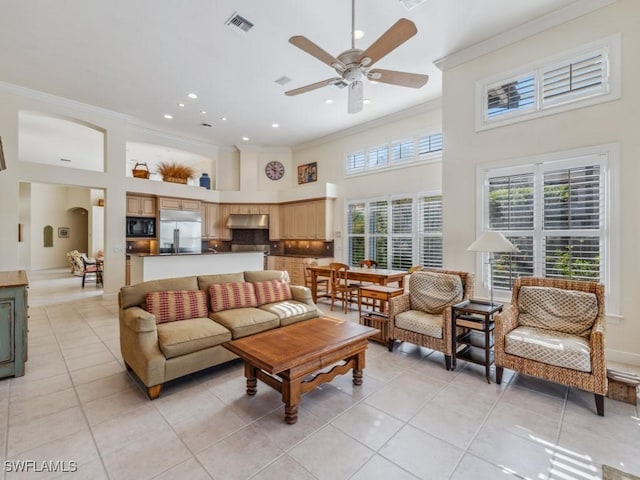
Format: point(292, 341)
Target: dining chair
point(91, 271)
point(340, 286)
point(322, 284)
point(368, 264)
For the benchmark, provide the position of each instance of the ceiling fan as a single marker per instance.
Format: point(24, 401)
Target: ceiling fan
point(354, 64)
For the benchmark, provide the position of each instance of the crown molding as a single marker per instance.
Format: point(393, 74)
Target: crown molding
point(528, 29)
point(261, 149)
point(60, 101)
point(140, 131)
point(378, 122)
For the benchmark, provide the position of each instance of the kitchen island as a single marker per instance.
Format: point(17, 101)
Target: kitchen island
point(146, 266)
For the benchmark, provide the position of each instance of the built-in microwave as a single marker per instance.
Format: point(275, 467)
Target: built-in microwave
point(141, 227)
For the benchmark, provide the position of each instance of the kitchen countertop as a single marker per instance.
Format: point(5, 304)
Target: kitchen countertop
point(299, 255)
point(182, 254)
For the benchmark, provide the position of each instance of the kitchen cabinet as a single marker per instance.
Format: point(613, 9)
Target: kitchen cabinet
point(310, 220)
point(140, 206)
point(166, 203)
point(223, 218)
point(13, 323)
point(210, 220)
point(274, 222)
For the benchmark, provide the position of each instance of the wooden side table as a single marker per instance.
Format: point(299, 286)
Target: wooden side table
point(475, 341)
point(379, 319)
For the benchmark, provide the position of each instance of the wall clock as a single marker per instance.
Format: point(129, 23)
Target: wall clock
point(274, 170)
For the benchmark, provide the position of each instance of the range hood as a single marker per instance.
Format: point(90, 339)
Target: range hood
point(253, 221)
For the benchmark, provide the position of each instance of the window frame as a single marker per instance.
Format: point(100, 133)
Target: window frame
point(609, 157)
point(609, 46)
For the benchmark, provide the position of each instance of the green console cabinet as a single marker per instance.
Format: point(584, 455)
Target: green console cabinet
point(13, 323)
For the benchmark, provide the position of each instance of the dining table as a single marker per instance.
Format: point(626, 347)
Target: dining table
point(379, 276)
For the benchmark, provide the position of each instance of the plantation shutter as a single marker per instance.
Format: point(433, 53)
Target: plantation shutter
point(429, 144)
point(378, 157)
point(355, 162)
point(402, 233)
point(402, 150)
point(430, 231)
point(356, 232)
point(378, 231)
point(512, 96)
point(580, 77)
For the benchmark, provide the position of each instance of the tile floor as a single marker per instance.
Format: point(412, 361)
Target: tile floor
point(410, 419)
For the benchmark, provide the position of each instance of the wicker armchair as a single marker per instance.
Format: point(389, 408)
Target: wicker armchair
point(576, 360)
point(409, 322)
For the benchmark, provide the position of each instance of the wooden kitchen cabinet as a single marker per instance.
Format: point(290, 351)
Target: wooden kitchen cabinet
point(309, 220)
point(13, 323)
point(210, 220)
point(274, 222)
point(166, 203)
point(140, 206)
point(223, 218)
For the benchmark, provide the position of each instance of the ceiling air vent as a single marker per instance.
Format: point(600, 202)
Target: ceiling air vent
point(240, 22)
point(411, 4)
point(283, 80)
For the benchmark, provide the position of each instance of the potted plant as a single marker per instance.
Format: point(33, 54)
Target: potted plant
point(171, 172)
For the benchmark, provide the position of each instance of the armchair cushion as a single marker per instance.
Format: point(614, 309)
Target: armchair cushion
point(227, 296)
point(556, 309)
point(170, 306)
point(546, 346)
point(420, 322)
point(432, 292)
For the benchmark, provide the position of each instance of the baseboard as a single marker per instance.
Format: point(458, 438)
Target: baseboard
point(623, 357)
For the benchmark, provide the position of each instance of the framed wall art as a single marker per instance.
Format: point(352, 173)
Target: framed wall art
point(63, 232)
point(308, 173)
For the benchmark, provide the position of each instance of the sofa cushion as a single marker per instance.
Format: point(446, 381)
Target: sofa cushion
point(420, 322)
point(270, 291)
point(245, 321)
point(557, 309)
point(187, 336)
point(262, 275)
point(173, 305)
point(225, 296)
point(432, 292)
point(553, 348)
point(291, 311)
point(135, 295)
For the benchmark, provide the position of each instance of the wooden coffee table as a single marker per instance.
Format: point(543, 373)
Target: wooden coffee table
point(283, 357)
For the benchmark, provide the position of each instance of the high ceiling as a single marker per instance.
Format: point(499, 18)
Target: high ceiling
point(141, 58)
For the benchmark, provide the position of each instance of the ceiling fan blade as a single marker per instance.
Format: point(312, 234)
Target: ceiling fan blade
point(398, 33)
point(403, 79)
point(355, 97)
point(303, 43)
point(313, 86)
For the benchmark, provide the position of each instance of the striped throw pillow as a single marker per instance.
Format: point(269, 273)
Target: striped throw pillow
point(225, 296)
point(270, 291)
point(173, 305)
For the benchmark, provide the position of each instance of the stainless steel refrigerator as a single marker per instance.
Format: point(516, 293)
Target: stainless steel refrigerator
point(180, 231)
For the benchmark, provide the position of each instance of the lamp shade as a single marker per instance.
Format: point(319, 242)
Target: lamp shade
point(492, 242)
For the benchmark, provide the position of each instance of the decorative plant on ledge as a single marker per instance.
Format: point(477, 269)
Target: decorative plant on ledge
point(171, 172)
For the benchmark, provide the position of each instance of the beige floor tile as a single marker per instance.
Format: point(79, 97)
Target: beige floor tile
point(408, 447)
point(284, 435)
point(478, 469)
point(370, 385)
point(190, 469)
point(404, 396)
point(229, 458)
point(331, 454)
point(82, 350)
point(379, 468)
point(29, 387)
point(89, 360)
point(106, 386)
point(114, 406)
point(368, 425)
point(29, 434)
point(327, 402)
point(42, 405)
point(96, 372)
point(284, 468)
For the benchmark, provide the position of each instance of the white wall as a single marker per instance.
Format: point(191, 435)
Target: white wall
point(616, 121)
point(330, 153)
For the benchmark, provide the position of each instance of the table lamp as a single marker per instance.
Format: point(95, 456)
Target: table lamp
point(492, 243)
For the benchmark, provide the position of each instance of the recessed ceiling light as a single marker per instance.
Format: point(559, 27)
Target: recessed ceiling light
point(193, 96)
point(358, 34)
point(328, 101)
point(168, 116)
point(366, 101)
point(181, 105)
point(246, 139)
point(224, 119)
point(375, 82)
point(204, 112)
point(275, 125)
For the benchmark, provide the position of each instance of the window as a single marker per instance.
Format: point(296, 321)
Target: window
point(573, 79)
point(401, 231)
point(557, 212)
point(396, 154)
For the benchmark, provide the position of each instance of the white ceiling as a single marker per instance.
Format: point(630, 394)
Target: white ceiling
point(142, 57)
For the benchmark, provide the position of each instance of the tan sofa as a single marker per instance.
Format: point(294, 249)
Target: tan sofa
point(159, 352)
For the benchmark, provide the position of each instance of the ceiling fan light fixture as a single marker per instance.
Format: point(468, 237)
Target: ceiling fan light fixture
point(358, 34)
point(365, 61)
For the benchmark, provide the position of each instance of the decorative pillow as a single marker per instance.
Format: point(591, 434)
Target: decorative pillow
point(567, 311)
point(173, 305)
point(271, 291)
point(432, 292)
point(226, 296)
